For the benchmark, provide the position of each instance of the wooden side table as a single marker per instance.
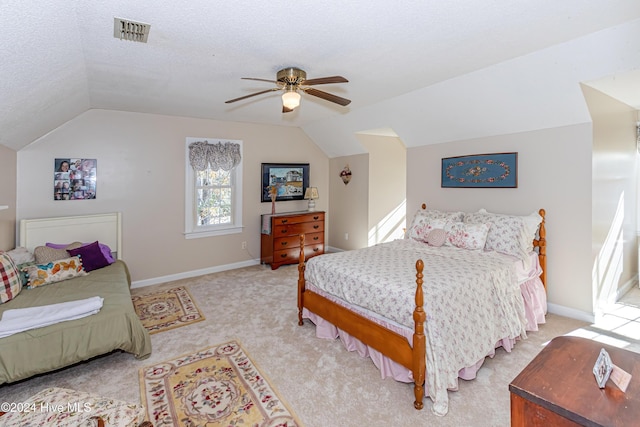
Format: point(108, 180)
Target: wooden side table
point(558, 388)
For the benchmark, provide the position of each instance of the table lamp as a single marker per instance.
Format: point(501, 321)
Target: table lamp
point(311, 194)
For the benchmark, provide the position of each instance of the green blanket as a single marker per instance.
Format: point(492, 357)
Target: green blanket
point(115, 327)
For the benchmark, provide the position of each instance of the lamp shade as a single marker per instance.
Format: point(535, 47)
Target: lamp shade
point(291, 99)
point(311, 193)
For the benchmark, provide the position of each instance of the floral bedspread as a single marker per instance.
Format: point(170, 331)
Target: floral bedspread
point(471, 298)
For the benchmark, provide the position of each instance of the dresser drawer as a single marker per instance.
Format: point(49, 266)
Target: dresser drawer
point(291, 255)
point(296, 229)
point(286, 242)
point(297, 219)
point(293, 241)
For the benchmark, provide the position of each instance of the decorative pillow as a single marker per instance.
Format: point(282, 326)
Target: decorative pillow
point(46, 254)
point(436, 237)
point(57, 271)
point(466, 236)
point(92, 256)
point(11, 284)
point(106, 250)
point(21, 255)
point(509, 234)
point(21, 270)
point(427, 220)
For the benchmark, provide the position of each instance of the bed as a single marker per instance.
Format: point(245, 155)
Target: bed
point(436, 322)
point(114, 327)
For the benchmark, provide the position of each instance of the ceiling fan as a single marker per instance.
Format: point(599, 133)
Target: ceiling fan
point(291, 80)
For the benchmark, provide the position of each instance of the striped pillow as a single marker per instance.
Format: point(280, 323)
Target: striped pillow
point(11, 283)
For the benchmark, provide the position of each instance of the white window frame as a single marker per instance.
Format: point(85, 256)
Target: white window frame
point(191, 227)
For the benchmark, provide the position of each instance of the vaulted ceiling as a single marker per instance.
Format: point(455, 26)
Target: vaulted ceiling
point(405, 61)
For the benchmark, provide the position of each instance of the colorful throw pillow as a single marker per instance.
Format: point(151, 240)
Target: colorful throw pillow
point(466, 236)
point(509, 234)
point(426, 220)
point(46, 254)
point(10, 276)
point(23, 275)
point(106, 250)
point(436, 237)
point(57, 271)
point(92, 256)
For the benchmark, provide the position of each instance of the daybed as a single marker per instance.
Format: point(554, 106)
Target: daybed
point(114, 327)
point(475, 293)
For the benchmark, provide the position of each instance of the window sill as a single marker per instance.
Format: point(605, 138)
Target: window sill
point(211, 233)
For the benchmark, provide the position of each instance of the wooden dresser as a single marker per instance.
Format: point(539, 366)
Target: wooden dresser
point(280, 239)
point(558, 388)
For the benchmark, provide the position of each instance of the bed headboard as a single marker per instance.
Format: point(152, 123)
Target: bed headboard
point(105, 228)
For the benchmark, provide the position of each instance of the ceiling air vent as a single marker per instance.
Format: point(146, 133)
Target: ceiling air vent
point(124, 29)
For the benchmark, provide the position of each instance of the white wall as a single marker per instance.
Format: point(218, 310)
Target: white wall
point(614, 198)
point(387, 187)
point(554, 173)
point(7, 197)
point(141, 173)
point(349, 203)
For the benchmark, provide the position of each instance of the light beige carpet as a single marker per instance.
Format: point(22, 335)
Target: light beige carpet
point(219, 386)
point(166, 309)
point(323, 383)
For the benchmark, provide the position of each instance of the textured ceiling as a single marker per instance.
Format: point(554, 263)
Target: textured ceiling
point(60, 57)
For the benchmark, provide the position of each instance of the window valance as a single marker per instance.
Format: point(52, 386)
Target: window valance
point(219, 155)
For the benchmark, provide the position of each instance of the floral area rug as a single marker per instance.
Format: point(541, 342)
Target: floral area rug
point(167, 309)
point(217, 386)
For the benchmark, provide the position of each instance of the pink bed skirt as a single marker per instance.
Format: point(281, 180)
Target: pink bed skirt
point(535, 301)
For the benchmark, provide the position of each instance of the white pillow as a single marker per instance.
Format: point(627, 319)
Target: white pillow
point(20, 255)
point(426, 220)
point(466, 235)
point(508, 234)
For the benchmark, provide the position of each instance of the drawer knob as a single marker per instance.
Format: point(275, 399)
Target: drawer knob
point(283, 255)
point(315, 218)
point(316, 226)
point(315, 237)
point(316, 249)
point(284, 221)
point(284, 231)
point(284, 243)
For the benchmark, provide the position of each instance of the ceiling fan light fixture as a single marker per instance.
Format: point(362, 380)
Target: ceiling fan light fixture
point(291, 99)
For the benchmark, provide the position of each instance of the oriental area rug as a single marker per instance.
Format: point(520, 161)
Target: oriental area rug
point(167, 309)
point(216, 386)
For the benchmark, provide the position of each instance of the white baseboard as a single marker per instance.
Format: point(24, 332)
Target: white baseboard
point(332, 249)
point(194, 273)
point(561, 310)
point(626, 287)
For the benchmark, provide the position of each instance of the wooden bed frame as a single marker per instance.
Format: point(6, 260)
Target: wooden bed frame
point(389, 343)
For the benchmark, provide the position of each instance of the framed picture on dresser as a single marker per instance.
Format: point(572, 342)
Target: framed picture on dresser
point(287, 181)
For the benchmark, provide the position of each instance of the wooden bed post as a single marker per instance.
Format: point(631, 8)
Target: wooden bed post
point(419, 340)
point(301, 268)
point(542, 249)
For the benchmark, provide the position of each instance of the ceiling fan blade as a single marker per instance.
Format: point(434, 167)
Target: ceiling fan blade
point(260, 80)
point(328, 96)
point(286, 110)
point(249, 96)
point(325, 80)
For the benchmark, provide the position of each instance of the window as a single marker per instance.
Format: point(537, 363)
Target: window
point(213, 202)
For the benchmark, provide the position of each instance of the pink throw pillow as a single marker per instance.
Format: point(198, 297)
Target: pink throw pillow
point(436, 237)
